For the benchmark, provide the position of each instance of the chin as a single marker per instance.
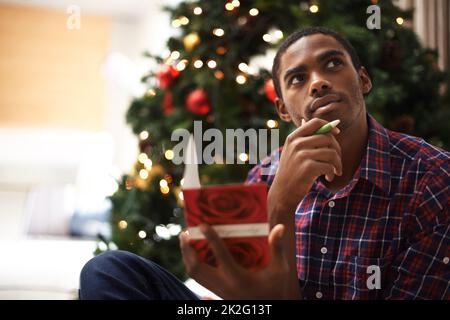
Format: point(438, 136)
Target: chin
point(329, 116)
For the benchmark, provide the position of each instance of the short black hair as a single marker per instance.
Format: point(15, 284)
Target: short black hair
point(307, 32)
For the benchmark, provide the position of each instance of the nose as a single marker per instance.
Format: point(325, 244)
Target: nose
point(318, 85)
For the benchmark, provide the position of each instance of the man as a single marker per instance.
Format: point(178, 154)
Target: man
point(359, 213)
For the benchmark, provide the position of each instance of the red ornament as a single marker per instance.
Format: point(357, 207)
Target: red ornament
point(168, 103)
point(269, 89)
point(167, 76)
point(198, 103)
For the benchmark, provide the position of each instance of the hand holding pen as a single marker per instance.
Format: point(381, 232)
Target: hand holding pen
point(309, 152)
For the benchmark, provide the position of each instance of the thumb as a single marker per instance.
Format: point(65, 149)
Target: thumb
point(276, 245)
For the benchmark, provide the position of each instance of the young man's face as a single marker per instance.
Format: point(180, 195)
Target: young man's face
point(318, 80)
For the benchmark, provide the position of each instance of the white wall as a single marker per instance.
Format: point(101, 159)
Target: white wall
point(37, 160)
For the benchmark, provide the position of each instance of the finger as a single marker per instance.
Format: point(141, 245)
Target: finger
point(320, 140)
point(335, 131)
point(278, 257)
point(318, 168)
point(308, 128)
point(223, 256)
point(189, 255)
point(204, 274)
point(325, 155)
point(316, 142)
point(330, 177)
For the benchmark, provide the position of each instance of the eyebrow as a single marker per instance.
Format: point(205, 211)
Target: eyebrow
point(323, 56)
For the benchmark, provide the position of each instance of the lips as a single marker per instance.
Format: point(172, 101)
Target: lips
point(323, 101)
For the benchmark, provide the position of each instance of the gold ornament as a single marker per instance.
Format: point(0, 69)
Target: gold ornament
point(190, 41)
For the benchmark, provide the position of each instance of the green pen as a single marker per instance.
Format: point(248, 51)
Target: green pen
point(327, 127)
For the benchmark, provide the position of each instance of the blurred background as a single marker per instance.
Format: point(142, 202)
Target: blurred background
point(63, 135)
point(79, 156)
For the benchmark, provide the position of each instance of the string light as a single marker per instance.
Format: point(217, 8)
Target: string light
point(219, 75)
point(314, 8)
point(143, 174)
point(169, 154)
point(163, 183)
point(198, 64)
point(241, 79)
point(163, 232)
point(272, 123)
point(183, 20)
point(142, 234)
point(142, 157)
point(229, 6)
point(174, 229)
point(235, 3)
point(176, 23)
point(164, 190)
point(182, 65)
point(122, 224)
point(211, 64)
point(243, 67)
point(399, 20)
point(150, 93)
point(148, 164)
point(221, 50)
point(143, 135)
point(253, 12)
point(175, 55)
point(278, 34)
point(218, 32)
point(198, 11)
point(243, 157)
point(267, 37)
point(252, 71)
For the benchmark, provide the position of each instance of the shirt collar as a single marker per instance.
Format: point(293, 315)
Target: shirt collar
point(375, 164)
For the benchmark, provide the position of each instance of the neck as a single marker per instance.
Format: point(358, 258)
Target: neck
point(353, 141)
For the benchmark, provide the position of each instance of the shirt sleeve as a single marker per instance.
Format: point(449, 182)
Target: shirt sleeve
point(254, 175)
point(264, 172)
point(422, 271)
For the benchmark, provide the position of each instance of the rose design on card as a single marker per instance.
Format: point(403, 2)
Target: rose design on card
point(227, 206)
point(239, 215)
point(249, 253)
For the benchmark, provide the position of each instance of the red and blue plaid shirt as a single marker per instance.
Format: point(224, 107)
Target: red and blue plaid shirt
point(390, 223)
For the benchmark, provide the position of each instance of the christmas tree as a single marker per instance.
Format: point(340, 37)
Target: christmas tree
point(208, 75)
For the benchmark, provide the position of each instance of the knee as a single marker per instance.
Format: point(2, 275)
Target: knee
point(101, 268)
point(103, 263)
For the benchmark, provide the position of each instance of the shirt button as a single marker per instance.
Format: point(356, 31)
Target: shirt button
point(331, 204)
point(446, 260)
point(319, 295)
point(323, 250)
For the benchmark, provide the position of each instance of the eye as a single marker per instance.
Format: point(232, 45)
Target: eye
point(334, 62)
point(297, 79)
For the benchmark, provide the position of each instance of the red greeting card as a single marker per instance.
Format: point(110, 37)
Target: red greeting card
point(238, 213)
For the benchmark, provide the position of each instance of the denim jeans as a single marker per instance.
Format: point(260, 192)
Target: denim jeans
point(124, 275)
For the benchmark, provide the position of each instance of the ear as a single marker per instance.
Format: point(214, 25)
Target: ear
point(366, 83)
point(282, 110)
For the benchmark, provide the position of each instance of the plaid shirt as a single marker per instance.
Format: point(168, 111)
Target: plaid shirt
point(391, 220)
